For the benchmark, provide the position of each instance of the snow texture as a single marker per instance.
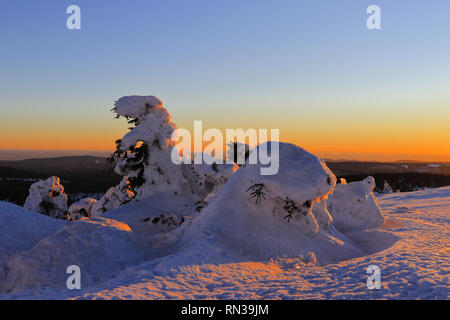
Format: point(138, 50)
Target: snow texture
point(411, 248)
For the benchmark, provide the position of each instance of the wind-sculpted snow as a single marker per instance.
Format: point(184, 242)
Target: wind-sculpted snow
point(415, 267)
point(47, 197)
point(353, 206)
point(271, 216)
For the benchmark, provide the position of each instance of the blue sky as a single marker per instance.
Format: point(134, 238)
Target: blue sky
point(306, 67)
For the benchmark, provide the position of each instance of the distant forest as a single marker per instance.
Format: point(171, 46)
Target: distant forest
point(84, 176)
point(403, 182)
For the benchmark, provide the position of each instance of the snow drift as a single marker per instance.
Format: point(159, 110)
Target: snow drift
point(21, 229)
point(100, 247)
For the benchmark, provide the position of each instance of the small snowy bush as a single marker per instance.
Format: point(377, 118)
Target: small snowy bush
point(353, 206)
point(387, 188)
point(47, 197)
point(113, 198)
point(81, 209)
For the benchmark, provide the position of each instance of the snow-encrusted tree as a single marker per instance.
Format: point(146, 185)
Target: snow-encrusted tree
point(353, 206)
point(81, 209)
point(47, 197)
point(143, 157)
point(113, 198)
point(387, 188)
point(144, 153)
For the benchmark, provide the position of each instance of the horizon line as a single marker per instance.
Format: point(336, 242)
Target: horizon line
point(340, 156)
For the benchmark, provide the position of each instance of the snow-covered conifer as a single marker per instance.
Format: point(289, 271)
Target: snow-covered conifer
point(47, 197)
point(387, 188)
point(113, 198)
point(144, 153)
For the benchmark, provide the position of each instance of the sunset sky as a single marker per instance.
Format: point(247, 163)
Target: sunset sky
point(309, 68)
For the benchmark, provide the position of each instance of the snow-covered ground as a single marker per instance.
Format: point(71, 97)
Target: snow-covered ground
point(411, 248)
point(197, 231)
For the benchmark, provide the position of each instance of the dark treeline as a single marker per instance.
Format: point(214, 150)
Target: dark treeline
point(403, 182)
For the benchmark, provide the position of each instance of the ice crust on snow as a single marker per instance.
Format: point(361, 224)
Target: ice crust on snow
point(47, 197)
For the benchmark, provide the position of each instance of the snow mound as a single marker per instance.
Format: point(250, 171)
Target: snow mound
point(271, 216)
point(100, 247)
point(21, 229)
point(47, 197)
point(353, 206)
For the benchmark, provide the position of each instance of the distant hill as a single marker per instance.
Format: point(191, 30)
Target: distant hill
point(10, 172)
point(356, 167)
point(79, 174)
point(87, 174)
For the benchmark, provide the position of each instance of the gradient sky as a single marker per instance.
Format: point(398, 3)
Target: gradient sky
point(310, 68)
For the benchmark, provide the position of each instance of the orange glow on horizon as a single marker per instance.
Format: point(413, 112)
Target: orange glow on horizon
point(430, 143)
